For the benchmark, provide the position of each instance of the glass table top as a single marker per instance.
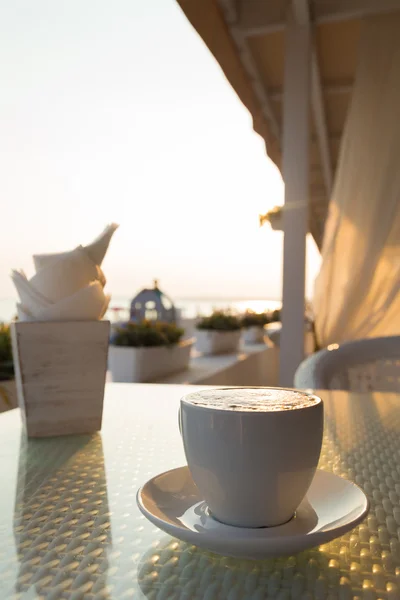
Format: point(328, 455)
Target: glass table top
point(70, 527)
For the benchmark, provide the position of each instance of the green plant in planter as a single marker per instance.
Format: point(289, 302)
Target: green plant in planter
point(6, 357)
point(147, 334)
point(252, 319)
point(220, 321)
point(276, 315)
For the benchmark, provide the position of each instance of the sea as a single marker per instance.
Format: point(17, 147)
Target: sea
point(189, 308)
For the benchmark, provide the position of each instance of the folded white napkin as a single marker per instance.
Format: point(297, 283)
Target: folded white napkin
point(67, 286)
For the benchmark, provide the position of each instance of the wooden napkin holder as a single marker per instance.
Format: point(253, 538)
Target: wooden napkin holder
point(60, 372)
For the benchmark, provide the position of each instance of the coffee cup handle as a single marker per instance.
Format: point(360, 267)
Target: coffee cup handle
point(179, 421)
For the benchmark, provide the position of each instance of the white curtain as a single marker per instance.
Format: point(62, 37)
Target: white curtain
point(357, 292)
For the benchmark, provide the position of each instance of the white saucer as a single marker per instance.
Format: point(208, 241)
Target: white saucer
point(333, 506)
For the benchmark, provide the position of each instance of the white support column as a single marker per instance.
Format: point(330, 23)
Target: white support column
point(296, 108)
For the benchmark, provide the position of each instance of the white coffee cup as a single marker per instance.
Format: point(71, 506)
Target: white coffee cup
point(252, 465)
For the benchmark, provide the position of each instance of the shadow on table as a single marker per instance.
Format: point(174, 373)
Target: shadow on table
point(176, 569)
point(62, 526)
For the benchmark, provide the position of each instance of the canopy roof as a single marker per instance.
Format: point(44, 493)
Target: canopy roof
point(247, 37)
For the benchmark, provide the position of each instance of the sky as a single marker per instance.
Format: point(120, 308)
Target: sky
point(117, 112)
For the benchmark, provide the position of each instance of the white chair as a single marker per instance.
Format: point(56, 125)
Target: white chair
point(361, 366)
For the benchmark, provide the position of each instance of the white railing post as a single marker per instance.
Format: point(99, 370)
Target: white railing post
point(296, 110)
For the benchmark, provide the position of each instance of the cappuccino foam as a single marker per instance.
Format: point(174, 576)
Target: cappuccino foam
point(251, 399)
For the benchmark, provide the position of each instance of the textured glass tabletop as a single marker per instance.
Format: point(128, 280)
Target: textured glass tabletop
point(70, 528)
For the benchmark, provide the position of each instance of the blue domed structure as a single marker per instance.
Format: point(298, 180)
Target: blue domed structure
point(153, 305)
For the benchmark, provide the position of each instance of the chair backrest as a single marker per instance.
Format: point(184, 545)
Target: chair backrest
point(371, 364)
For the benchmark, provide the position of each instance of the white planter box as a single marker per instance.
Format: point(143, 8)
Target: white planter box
point(217, 342)
point(253, 335)
point(60, 372)
point(8, 395)
point(141, 365)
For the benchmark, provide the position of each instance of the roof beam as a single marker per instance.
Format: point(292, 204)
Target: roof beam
point(339, 10)
point(318, 108)
point(276, 95)
point(231, 15)
point(259, 18)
